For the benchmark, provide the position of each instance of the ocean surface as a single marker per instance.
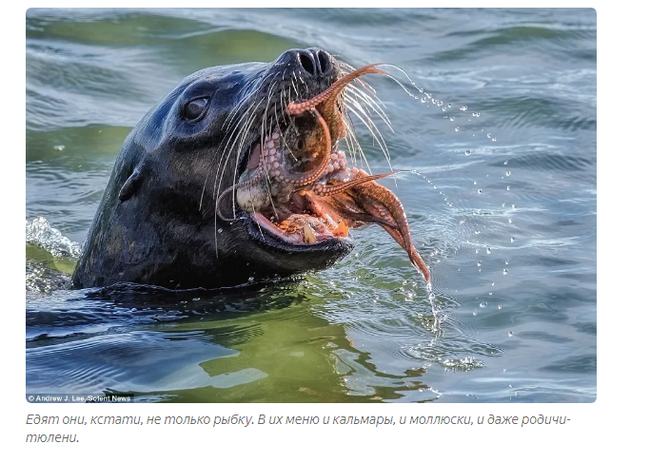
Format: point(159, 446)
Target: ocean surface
point(495, 124)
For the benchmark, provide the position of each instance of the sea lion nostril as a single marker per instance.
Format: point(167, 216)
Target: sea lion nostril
point(324, 62)
point(307, 62)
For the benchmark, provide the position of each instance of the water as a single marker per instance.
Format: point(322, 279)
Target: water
point(499, 102)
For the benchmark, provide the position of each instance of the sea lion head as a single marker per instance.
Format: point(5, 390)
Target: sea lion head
point(165, 219)
point(237, 176)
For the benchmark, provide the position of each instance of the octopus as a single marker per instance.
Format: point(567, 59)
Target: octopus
point(300, 188)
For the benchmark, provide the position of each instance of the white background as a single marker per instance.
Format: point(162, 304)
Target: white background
point(615, 426)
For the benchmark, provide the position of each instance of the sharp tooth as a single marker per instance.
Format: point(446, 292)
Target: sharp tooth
point(309, 234)
point(341, 229)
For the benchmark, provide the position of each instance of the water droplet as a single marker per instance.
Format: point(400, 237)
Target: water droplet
point(493, 283)
point(474, 313)
point(505, 163)
point(510, 334)
point(423, 100)
point(452, 118)
point(444, 109)
point(476, 251)
point(508, 174)
point(489, 135)
point(478, 264)
point(503, 204)
point(490, 293)
point(508, 188)
point(494, 138)
point(514, 206)
point(480, 191)
point(483, 305)
point(468, 152)
point(499, 307)
point(505, 271)
point(507, 262)
point(512, 239)
point(220, 230)
point(476, 114)
point(456, 129)
point(449, 105)
point(251, 279)
point(59, 147)
point(509, 220)
point(488, 250)
point(477, 232)
point(463, 108)
point(440, 102)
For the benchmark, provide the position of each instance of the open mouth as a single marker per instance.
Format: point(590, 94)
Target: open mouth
point(298, 188)
point(284, 202)
point(303, 222)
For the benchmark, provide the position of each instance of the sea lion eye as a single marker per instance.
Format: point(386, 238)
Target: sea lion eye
point(195, 109)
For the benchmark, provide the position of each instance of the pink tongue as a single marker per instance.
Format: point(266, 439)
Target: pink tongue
point(254, 159)
point(268, 226)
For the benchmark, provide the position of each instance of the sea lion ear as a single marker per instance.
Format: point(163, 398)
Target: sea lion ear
point(131, 184)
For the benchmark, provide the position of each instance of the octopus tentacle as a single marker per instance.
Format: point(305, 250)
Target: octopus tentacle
point(381, 198)
point(305, 178)
point(381, 206)
point(294, 109)
point(250, 182)
point(330, 190)
point(414, 256)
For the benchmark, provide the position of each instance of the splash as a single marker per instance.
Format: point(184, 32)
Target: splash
point(40, 233)
point(436, 325)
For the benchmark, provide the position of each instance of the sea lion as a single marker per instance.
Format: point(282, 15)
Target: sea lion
point(237, 176)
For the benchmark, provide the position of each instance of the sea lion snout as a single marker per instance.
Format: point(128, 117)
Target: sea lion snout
point(309, 63)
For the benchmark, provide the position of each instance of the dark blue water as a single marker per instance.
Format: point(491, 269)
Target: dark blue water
point(498, 118)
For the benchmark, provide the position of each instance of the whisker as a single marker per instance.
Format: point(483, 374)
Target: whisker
point(372, 103)
point(351, 133)
point(246, 120)
point(370, 125)
point(221, 160)
point(239, 153)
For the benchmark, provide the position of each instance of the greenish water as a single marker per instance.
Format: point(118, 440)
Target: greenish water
point(503, 210)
